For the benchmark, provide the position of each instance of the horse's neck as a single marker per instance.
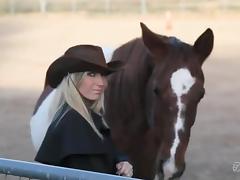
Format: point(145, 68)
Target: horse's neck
point(136, 74)
point(127, 88)
point(126, 95)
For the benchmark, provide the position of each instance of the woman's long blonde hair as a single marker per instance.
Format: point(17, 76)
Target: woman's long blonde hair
point(67, 92)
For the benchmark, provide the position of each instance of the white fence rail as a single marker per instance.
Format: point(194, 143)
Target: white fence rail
point(107, 6)
point(29, 170)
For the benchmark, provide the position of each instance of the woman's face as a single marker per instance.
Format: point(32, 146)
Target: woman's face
point(92, 85)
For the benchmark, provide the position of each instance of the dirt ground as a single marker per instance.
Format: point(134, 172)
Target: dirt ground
point(30, 42)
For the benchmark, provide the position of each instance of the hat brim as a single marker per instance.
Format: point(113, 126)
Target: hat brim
point(63, 66)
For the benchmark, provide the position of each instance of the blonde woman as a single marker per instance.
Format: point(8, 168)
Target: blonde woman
point(77, 136)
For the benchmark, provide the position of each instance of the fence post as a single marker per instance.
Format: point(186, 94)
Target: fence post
point(224, 4)
point(73, 5)
point(12, 6)
point(43, 5)
point(182, 5)
point(143, 6)
point(107, 6)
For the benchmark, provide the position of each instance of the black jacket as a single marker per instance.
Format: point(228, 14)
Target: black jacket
point(71, 142)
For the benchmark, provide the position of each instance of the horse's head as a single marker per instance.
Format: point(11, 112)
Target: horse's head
point(174, 89)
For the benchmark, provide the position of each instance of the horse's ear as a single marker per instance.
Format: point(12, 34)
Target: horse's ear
point(204, 44)
point(152, 40)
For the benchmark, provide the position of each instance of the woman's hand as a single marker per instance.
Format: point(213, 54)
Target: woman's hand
point(124, 168)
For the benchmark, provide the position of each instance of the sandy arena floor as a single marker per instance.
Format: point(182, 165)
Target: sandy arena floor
point(30, 42)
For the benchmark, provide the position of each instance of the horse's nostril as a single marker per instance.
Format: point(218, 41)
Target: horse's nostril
point(179, 172)
point(160, 167)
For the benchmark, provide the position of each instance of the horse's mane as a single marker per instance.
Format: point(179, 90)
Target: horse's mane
point(137, 68)
point(129, 85)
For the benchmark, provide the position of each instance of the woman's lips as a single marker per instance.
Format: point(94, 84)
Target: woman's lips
point(97, 91)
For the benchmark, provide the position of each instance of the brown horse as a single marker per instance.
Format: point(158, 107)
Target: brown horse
point(151, 104)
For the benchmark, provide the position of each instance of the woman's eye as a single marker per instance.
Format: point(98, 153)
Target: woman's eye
point(91, 74)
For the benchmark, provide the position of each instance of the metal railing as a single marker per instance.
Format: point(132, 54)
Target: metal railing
point(30, 170)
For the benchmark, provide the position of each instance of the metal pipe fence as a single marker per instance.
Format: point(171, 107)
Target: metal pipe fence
point(23, 170)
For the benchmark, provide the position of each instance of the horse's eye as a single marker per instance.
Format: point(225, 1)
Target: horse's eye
point(156, 91)
point(202, 94)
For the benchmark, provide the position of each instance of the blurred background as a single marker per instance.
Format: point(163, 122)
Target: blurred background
point(33, 33)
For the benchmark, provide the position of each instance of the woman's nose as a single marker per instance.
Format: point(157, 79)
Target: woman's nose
point(101, 80)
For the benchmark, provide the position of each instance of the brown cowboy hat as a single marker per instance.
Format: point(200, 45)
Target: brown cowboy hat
point(80, 58)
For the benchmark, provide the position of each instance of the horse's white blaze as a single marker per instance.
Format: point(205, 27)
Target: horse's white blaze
point(181, 82)
point(39, 122)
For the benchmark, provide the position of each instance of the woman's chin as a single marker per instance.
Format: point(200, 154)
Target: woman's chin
point(94, 97)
